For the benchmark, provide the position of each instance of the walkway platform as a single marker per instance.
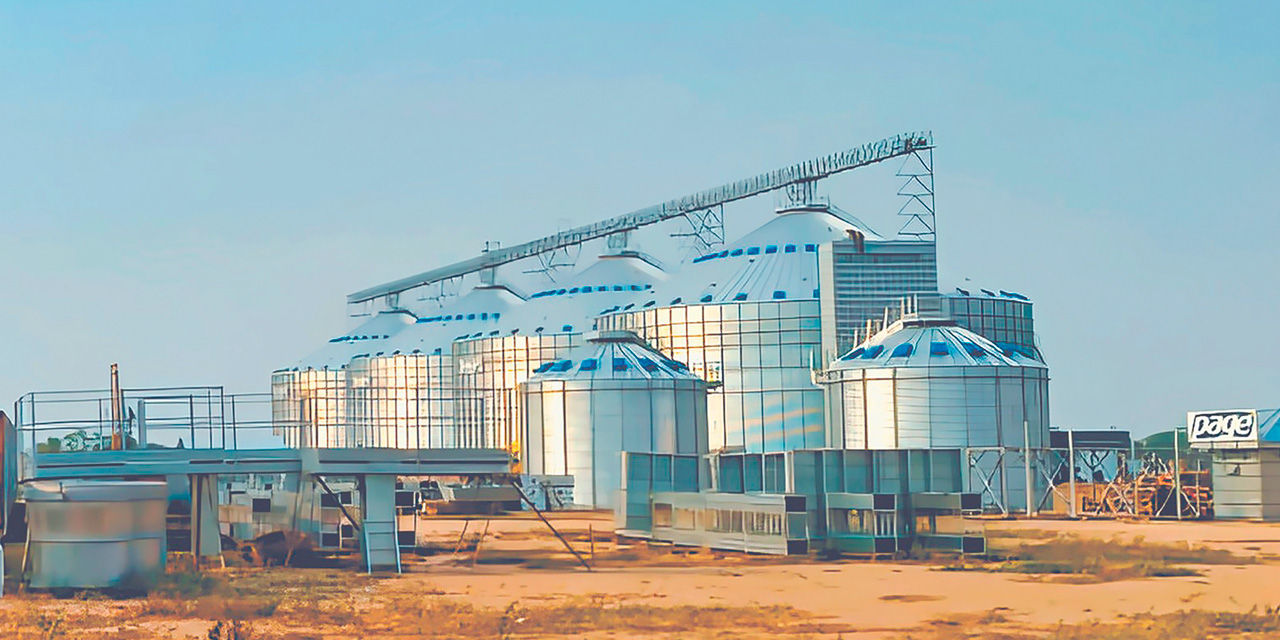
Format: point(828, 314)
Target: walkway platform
point(339, 462)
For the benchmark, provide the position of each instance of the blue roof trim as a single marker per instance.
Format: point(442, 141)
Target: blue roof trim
point(750, 251)
point(588, 289)
point(853, 354)
point(1269, 422)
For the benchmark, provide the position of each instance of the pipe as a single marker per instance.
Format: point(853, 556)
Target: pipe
point(1071, 468)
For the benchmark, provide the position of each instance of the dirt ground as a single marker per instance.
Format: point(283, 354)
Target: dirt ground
point(522, 583)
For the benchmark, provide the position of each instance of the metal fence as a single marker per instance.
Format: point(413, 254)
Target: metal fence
point(146, 418)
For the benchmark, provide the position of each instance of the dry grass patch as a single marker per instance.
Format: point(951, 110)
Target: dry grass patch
point(1087, 560)
point(1183, 625)
point(448, 618)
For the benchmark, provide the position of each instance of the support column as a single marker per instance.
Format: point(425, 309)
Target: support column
point(206, 541)
point(379, 545)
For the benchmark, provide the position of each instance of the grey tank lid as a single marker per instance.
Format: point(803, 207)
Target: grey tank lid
point(95, 490)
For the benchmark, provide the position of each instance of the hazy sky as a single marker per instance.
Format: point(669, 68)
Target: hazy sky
point(191, 189)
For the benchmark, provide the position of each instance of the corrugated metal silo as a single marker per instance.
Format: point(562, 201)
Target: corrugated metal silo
point(929, 384)
point(748, 316)
point(612, 395)
point(490, 365)
point(309, 401)
point(403, 394)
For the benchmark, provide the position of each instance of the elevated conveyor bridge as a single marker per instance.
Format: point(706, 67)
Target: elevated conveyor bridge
point(704, 210)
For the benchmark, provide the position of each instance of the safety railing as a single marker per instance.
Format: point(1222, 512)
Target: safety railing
point(50, 422)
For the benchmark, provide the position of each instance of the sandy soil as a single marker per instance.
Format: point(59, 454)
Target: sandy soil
point(520, 562)
point(877, 597)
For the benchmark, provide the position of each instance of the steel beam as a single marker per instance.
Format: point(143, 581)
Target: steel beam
point(804, 173)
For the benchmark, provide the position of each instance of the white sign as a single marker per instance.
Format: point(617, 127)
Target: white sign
point(1222, 426)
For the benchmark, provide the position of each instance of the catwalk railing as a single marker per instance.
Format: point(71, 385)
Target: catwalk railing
point(162, 418)
point(146, 418)
point(186, 430)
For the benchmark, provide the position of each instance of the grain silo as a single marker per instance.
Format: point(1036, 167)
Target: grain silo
point(489, 365)
point(611, 395)
point(309, 401)
point(401, 394)
point(748, 317)
point(929, 384)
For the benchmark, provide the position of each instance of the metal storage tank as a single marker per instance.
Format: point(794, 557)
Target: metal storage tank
point(402, 395)
point(308, 402)
point(489, 366)
point(925, 383)
point(88, 534)
point(748, 316)
point(612, 395)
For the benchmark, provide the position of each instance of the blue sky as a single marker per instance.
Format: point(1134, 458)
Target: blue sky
point(191, 189)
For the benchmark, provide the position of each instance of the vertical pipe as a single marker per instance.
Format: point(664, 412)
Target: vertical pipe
point(1071, 468)
point(1004, 481)
point(1133, 475)
point(191, 418)
point(1199, 513)
point(195, 518)
point(142, 423)
point(235, 440)
point(1177, 476)
point(222, 417)
point(1026, 461)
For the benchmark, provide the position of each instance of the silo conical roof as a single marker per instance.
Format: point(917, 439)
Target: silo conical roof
point(613, 355)
point(613, 281)
point(777, 261)
point(374, 331)
point(931, 342)
point(481, 310)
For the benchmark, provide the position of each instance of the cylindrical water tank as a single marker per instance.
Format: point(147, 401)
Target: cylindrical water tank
point(612, 395)
point(929, 384)
point(88, 534)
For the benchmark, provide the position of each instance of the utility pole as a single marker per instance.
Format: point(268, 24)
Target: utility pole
point(117, 411)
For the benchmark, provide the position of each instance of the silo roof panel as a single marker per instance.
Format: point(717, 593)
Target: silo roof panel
point(931, 343)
